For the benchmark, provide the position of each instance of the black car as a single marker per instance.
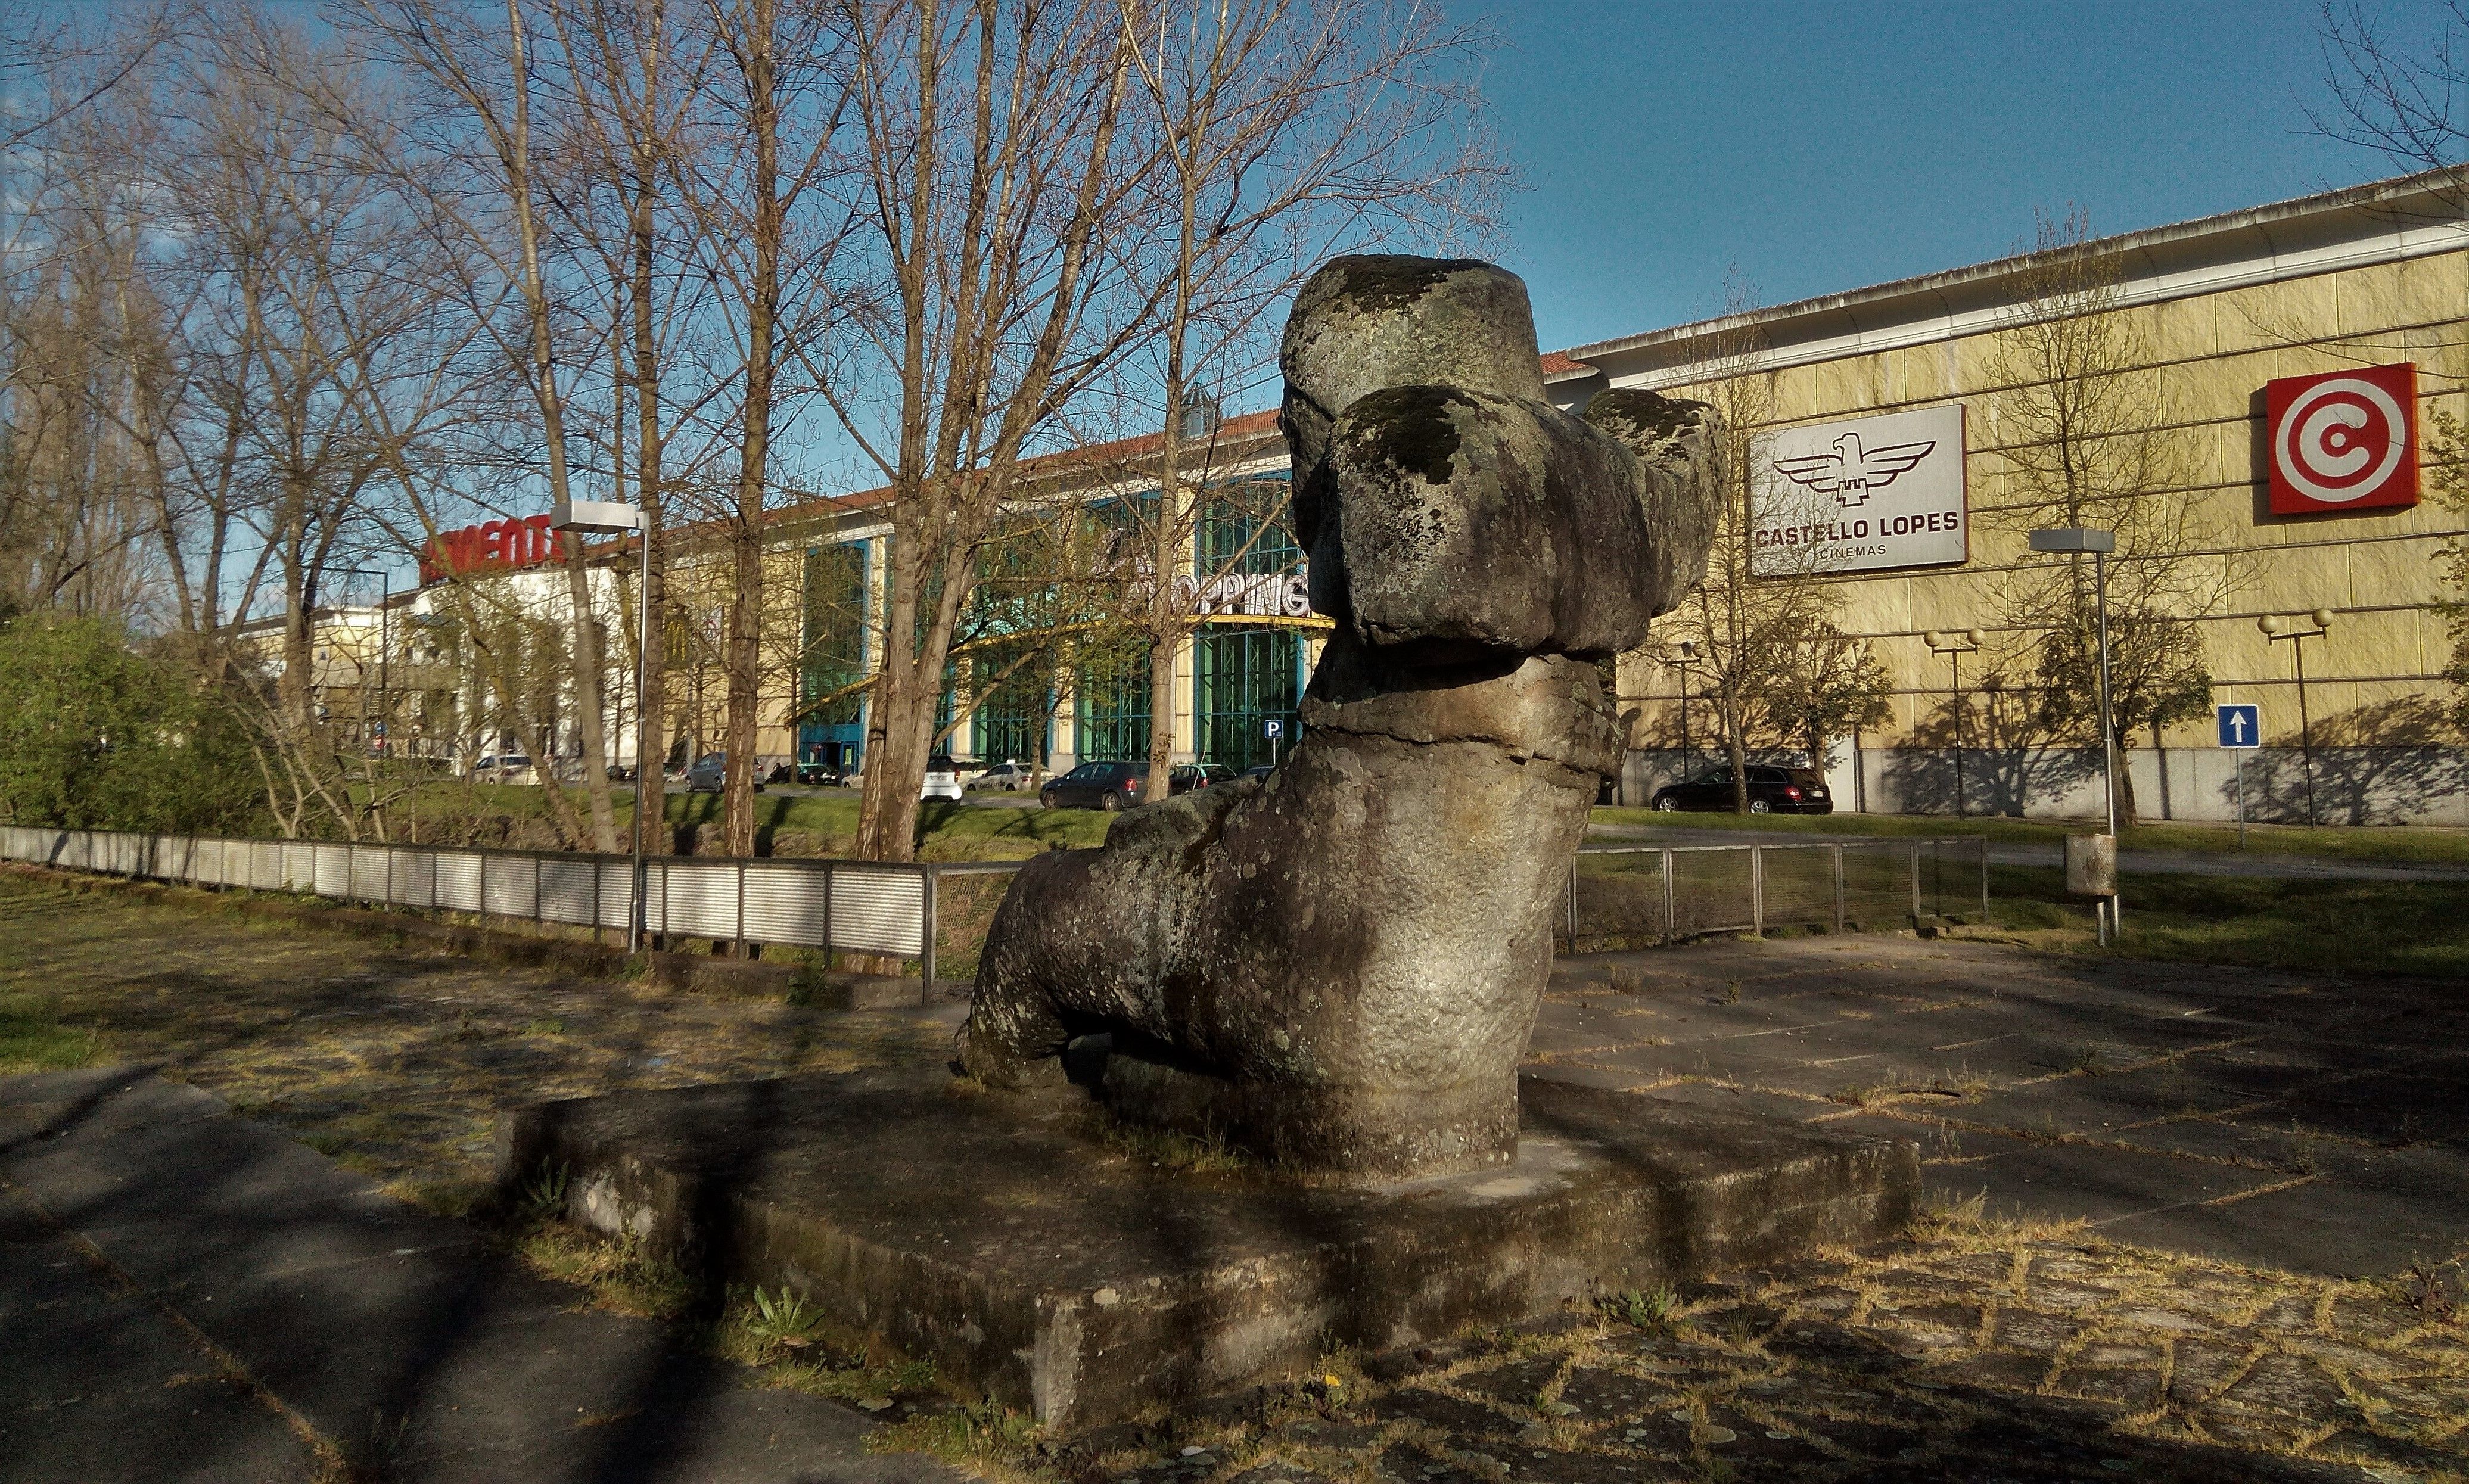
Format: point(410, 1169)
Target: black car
point(1771, 791)
point(1188, 776)
point(1097, 786)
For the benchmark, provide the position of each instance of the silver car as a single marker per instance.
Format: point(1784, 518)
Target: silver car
point(709, 774)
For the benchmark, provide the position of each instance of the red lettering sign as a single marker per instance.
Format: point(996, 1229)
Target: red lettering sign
point(494, 545)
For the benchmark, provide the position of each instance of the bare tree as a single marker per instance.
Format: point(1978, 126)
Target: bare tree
point(1760, 603)
point(1286, 130)
point(990, 173)
point(486, 136)
point(2080, 419)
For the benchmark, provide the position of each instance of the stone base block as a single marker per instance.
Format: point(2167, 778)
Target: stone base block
point(1035, 1254)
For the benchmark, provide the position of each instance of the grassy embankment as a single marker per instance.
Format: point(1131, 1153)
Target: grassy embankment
point(2306, 926)
point(2395, 845)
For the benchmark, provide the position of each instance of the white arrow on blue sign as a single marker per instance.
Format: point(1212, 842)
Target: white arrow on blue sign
point(2240, 726)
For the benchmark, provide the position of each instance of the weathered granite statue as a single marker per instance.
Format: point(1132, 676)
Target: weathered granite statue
point(1339, 966)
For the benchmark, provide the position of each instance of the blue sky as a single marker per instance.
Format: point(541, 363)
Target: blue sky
point(1818, 146)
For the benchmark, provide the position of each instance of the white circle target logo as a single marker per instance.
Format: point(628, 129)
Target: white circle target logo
point(2340, 440)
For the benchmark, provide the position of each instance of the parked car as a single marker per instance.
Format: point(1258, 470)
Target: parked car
point(1188, 776)
point(942, 780)
point(709, 774)
point(1261, 772)
point(504, 768)
point(1771, 791)
point(1097, 786)
point(819, 774)
point(1007, 778)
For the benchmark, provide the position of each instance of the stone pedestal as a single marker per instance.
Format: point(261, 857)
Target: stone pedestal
point(1033, 1253)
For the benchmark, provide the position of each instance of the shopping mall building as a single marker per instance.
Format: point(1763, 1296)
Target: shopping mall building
point(2289, 365)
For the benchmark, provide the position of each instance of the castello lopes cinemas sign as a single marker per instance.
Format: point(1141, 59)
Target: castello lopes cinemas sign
point(2345, 440)
point(1860, 496)
point(495, 546)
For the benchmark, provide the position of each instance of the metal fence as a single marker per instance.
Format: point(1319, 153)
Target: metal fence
point(1624, 896)
point(1618, 897)
point(855, 905)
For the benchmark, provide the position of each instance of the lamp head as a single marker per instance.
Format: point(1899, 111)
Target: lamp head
point(2323, 617)
point(1934, 639)
point(596, 516)
point(1687, 651)
point(1974, 635)
point(2269, 623)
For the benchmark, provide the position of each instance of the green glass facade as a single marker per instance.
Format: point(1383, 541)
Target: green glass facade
point(1242, 679)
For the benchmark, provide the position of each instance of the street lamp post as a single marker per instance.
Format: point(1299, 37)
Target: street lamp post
point(1684, 661)
point(1954, 646)
point(2275, 629)
point(385, 613)
point(2100, 544)
point(612, 518)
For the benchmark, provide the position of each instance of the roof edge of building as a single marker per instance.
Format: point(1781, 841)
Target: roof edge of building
point(2389, 200)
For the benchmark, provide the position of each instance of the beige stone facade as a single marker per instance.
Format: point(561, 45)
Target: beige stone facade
point(2218, 308)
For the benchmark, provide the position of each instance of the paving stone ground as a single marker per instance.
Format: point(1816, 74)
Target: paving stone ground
point(2201, 1197)
point(2290, 1120)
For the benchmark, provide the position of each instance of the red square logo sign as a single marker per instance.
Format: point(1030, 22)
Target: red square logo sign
point(2345, 440)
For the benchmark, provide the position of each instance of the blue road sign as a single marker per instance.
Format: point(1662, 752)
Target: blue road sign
point(1273, 727)
point(2240, 726)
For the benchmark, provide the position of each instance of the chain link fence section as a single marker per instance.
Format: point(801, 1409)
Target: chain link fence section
point(1640, 896)
point(897, 910)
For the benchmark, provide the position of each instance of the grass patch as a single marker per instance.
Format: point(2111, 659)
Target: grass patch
point(1164, 1149)
point(34, 1039)
point(2345, 927)
point(621, 1274)
point(2397, 843)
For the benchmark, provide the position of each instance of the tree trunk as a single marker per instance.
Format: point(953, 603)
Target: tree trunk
point(1737, 748)
point(744, 657)
point(651, 744)
point(590, 691)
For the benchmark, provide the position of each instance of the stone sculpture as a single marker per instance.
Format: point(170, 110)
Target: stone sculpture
point(1339, 966)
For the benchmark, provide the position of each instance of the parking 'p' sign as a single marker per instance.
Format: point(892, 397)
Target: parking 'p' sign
point(2240, 726)
point(2343, 440)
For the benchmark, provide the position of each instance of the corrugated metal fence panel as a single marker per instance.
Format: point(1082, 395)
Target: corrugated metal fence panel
point(369, 872)
point(784, 904)
point(78, 851)
point(265, 865)
point(508, 890)
point(702, 899)
point(617, 891)
point(175, 857)
point(234, 867)
point(458, 880)
point(299, 869)
point(566, 888)
point(415, 878)
point(879, 910)
point(330, 873)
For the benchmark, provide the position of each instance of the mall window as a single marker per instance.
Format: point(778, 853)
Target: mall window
point(1244, 678)
point(1249, 528)
point(1113, 710)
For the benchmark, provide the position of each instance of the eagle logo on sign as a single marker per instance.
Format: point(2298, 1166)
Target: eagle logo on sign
point(1851, 472)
